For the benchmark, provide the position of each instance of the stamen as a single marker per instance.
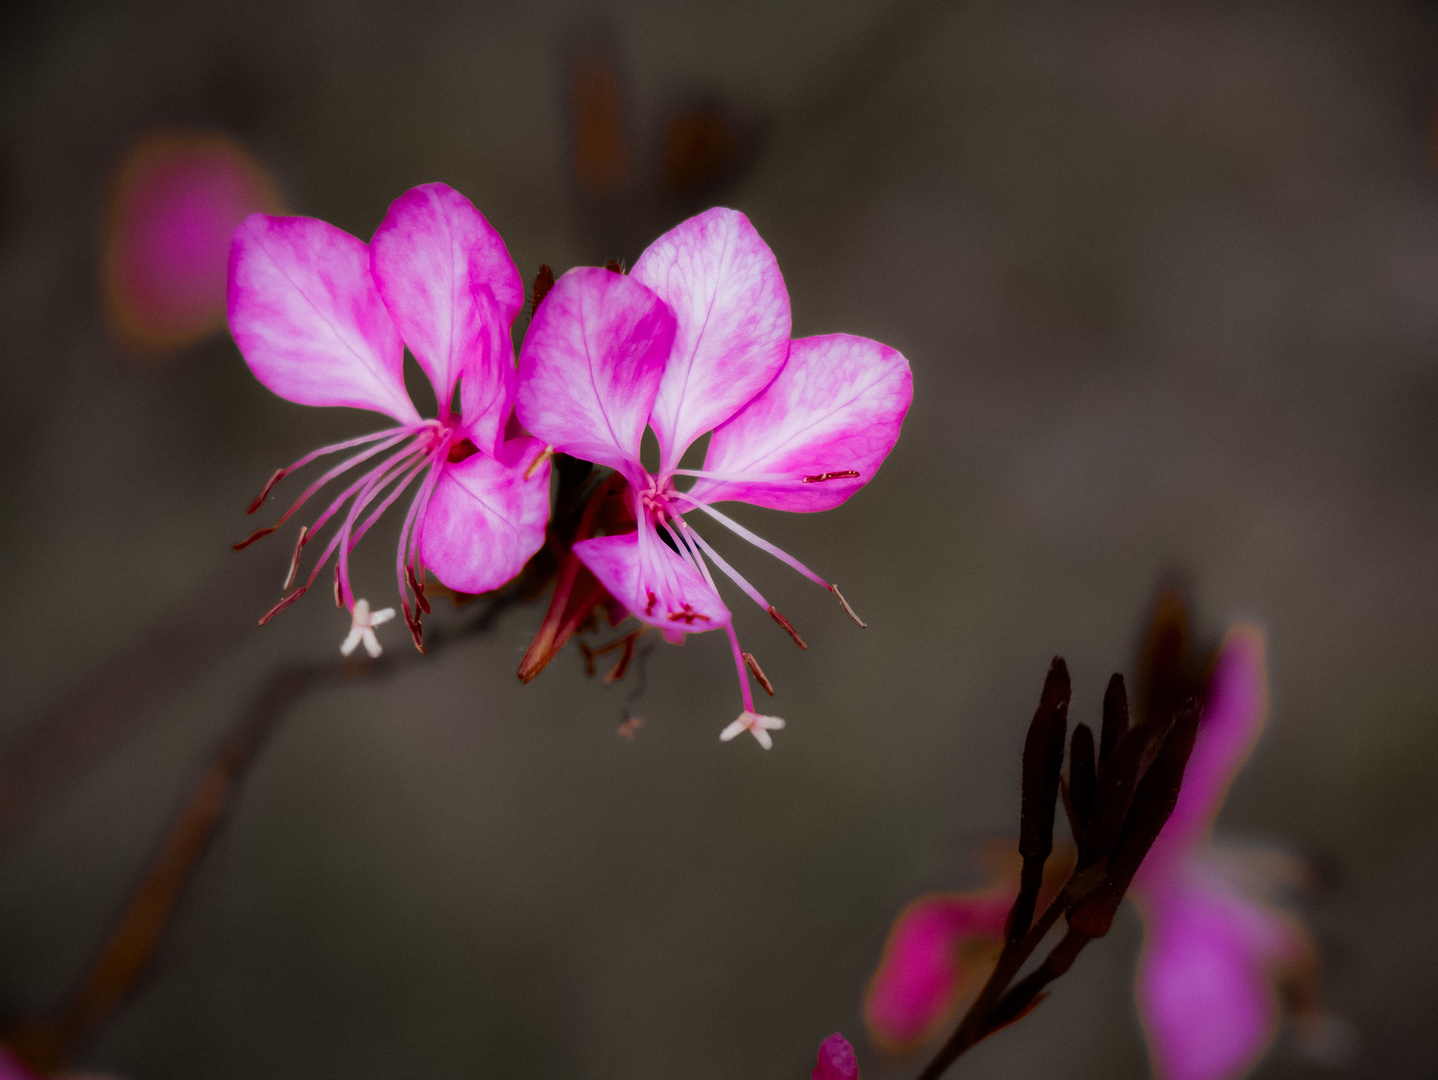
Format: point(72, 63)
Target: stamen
point(417, 587)
point(261, 534)
point(787, 625)
point(286, 602)
point(538, 461)
point(846, 474)
point(758, 541)
point(852, 613)
point(262, 496)
point(725, 568)
point(625, 658)
point(754, 667)
point(339, 600)
point(295, 559)
point(688, 614)
point(416, 628)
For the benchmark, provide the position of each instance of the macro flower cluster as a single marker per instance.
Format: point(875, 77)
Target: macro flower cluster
point(694, 341)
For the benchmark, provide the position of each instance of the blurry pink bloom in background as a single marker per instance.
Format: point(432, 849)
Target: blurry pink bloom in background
point(941, 948)
point(323, 319)
point(175, 201)
point(1219, 960)
point(836, 1060)
point(695, 340)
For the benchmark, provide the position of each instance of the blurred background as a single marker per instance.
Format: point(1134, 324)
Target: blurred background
point(1167, 275)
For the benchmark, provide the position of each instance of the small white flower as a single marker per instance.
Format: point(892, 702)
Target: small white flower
point(757, 725)
point(362, 624)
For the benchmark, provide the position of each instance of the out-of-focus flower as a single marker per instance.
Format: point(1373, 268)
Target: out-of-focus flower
point(323, 319)
point(174, 203)
point(941, 948)
point(836, 1060)
point(697, 340)
point(1219, 959)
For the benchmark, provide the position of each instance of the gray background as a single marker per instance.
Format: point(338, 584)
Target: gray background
point(1168, 279)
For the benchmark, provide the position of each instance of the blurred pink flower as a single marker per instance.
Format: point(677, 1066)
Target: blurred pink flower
point(836, 1060)
point(696, 339)
point(323, 319)
point(175, 201)
point(942, 946)
point(1218, 958)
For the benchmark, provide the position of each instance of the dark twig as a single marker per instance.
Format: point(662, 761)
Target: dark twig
point(48, 1043)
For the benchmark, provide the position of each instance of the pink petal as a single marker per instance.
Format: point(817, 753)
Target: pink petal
point(1232, 722)
point(591, 364)
point(1204, 981)
point(836, 1060)
point(306, 316)
point(656, 585)
point(835, 407)
point(732, 310)
point(452, 289)
point(929, 960)
point(485, 518)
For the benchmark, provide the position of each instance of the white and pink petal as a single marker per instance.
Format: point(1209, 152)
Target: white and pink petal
point(732, 313)
point(306, 315)
point(591, 364)
point(448, 281)
point(653, 582)
point(486, 517)
point(818, 432)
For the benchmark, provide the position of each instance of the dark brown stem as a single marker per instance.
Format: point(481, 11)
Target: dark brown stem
point(975, 1024)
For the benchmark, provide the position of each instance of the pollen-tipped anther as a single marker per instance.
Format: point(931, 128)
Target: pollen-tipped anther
point(851, 612)
point(286, 602)
point(259, 534)
point(539, 459)
point(417, 586)
point(843, 474)
point(295, 558)
point(788, 627)
point(758, 673)
point(280, 474)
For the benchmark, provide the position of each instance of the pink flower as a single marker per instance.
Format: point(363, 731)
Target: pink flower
point(696, 339)
point(176, 200)
point(942, 946)
point(323, 319)
point(1216, 953)
point(836, 1060)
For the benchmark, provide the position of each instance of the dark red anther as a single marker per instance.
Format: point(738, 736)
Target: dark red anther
point(543, 282)
point(844, 474)
point(339, 596)
point(614, 266)
point(286, 602)
point(851, 612)
point(414, 621)
point(649, 607)
point(460, 450)
point(259, 499)
point(758, 672)
point(418, 587)
point(259, 535)
point(688, 614)
point(295, 558)
point(788, 627)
